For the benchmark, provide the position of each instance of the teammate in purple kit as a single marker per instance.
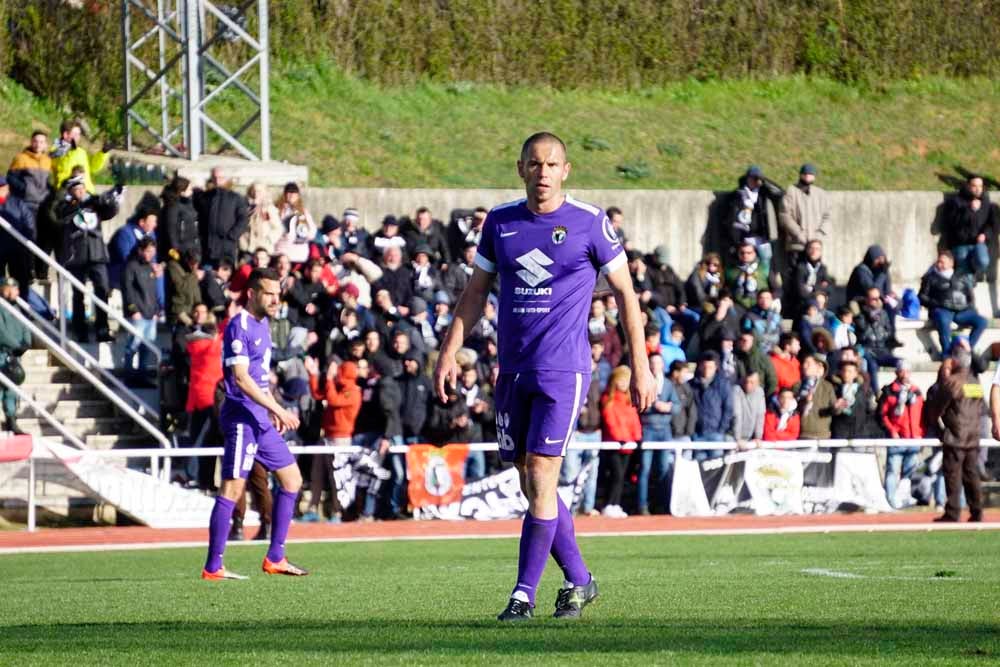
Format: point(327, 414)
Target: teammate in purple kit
point(547, 250)
point(250, 421)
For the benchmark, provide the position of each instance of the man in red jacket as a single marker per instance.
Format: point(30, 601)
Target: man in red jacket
point(901, 412)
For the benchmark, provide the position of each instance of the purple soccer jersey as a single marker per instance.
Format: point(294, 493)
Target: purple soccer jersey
point(247, 343)
point(246, 426)
point(548, 266)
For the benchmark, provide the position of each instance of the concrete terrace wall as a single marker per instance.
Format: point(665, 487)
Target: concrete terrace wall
point(901, 222)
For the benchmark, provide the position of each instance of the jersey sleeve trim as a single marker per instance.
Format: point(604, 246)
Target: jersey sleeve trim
point(485, 264)
point(619, 260)
point(238, 361)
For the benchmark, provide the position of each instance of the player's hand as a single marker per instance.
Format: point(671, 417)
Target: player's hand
point(445, 375)
point(643, 389)
point(287, 421)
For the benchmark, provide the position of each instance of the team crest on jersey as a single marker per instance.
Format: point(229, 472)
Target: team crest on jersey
point(558, 234)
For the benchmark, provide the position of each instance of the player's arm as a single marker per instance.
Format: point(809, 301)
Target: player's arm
point(467, 314)
point(246, 384)
point(643, 386)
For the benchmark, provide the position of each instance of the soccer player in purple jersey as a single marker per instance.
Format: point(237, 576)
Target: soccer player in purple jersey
point(547, 250)
point(251, 420)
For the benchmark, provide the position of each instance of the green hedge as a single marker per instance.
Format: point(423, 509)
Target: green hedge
point(609, 44)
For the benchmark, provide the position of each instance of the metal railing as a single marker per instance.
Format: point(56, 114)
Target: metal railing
point(81, 370)
point(89, 362)
point(64, 275)
point(734, 448)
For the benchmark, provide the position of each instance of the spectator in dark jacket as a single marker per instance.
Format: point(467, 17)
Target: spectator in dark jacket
point(125, 240)
point(968, 222)
point(719, 320)
point(423, 229)
point(448, 421)
point(874, 327)
point(426, 279)
point(84, 253)
point(13, 256)
point(307, 299)
point(713, 397)
point(751, 359)
point(458, 273)
point(377, 428)
point(465, 227)
point(748, 219)
point(140, 302)
point(397, 278)
point(809, 276)
point(705, 282)
point(223, 216)
point(948, 297)
point(873, 271)
point(854, 409)
point(416, 394)
point(178, 221)
point(685, 413)
point(386, 237)
point(482, 416)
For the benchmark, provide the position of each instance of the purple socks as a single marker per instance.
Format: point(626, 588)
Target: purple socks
point(218, 530)
point(536, 542)
point(565, 550)
point(281, 519)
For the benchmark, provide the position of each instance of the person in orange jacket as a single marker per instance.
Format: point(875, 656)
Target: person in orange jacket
point(782, 422)
point(620, 422)
point(901, 411)
point(342, 397)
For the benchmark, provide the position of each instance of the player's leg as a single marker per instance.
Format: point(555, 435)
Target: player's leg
point(555, 412)
point(273, 453)
point(239, 448)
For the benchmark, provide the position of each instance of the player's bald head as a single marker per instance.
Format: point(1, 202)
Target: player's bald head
point(541, 138)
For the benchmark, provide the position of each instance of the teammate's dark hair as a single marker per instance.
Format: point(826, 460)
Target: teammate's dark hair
point(613, 211)
point(537, 137)
point(39, 133)
point(260, 274)
point(145, 242)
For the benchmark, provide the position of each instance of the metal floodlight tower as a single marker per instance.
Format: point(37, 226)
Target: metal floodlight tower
point(180, 35)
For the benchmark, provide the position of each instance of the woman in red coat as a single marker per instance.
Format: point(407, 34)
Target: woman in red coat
point(782, 421)
point(620, 421)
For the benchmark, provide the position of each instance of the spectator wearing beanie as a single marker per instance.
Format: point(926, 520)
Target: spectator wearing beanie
point(353, 238)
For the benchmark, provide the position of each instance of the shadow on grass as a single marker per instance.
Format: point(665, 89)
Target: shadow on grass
point(455, 638)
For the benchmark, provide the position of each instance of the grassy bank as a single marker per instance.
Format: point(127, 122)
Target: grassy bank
point(685, 135)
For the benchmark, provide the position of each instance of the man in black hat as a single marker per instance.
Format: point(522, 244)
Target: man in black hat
point(804, 216)
point(426, 278)
point(748, 219)
point(387, 236)
point(15, 339)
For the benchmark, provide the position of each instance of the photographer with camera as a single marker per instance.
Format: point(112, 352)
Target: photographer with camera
point(15, 339)
point(79, 214)
point(67, 155)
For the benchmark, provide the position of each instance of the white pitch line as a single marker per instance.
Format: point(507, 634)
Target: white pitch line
point(700, 532)
point(837, 574)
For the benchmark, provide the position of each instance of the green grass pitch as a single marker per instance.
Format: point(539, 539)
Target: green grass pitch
point(843, 599)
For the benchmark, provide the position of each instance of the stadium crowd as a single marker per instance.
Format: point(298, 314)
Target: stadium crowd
point(363, 312)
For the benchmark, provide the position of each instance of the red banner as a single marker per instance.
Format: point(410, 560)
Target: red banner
point(437, 474)
point(15, 448)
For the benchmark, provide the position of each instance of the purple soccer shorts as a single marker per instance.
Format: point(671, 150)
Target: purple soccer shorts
point(248, 440)
point(537, 411)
